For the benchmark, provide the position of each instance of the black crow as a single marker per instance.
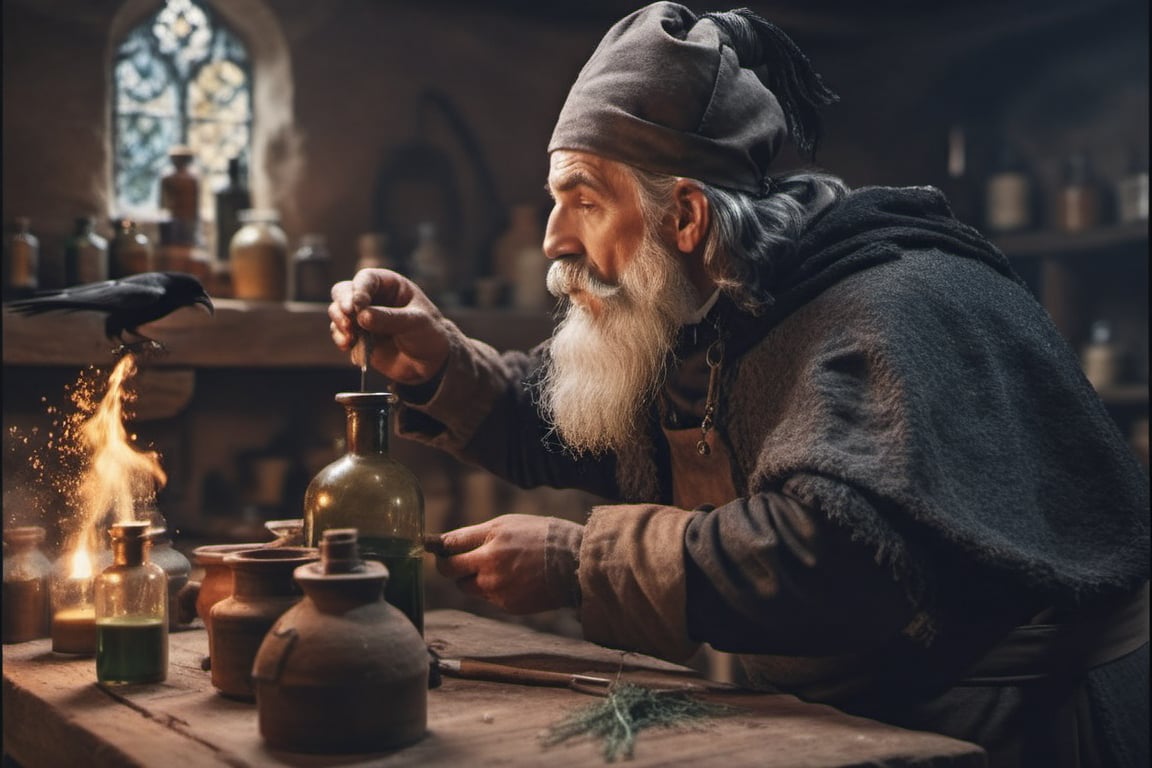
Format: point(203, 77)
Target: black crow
point(128, 302)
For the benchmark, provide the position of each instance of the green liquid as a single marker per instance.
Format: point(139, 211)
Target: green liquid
point(131, 650)
point(405, 562)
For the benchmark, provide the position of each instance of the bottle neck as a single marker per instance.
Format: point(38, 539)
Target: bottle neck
point(367, 430)
point(128, 553)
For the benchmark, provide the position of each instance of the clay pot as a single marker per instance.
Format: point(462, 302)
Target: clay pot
point(342, 671)
point(263, 589)
point(216, 584)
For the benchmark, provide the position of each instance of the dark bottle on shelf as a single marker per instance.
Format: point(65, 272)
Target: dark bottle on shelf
point(180, 195)
point(131, 598)
point(1008, 194)
point(368, 490)
point(230, 200)
point(130, 251)
point(1078, 204)
point(22, 268)
point(312, 270)
point(85, 254)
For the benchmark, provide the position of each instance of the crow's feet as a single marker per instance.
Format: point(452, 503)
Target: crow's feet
point(145, 348)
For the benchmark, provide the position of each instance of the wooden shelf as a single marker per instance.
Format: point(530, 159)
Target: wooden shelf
point(1049, 243)
point(241, 334)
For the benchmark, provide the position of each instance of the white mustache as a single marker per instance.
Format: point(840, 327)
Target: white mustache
point(568, 275)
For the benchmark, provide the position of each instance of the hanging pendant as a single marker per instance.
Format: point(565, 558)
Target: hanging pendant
point(714, 358)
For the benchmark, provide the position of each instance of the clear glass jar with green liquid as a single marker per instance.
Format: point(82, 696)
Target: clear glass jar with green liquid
point(131, 600)
point(368, 490)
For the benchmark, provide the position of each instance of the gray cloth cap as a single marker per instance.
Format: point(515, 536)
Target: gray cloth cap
point(665, 92)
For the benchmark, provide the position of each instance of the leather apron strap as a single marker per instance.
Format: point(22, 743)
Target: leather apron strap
point(1040, 651)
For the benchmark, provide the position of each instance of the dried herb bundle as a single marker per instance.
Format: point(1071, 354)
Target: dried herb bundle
point(627, 710)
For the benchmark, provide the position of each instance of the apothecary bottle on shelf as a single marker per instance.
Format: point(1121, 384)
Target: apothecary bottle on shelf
point(27, 572)
point(85, 254)
point(1008, 194)
point(22, 273)
point(180, 195)
point(368, 490)
point(230, 200)
point(131, 598)
point(130, 251)
point(1078, 203)
point(259, 256)
point(312, 270)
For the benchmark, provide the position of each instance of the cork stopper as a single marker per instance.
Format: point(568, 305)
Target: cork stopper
point(339, 551)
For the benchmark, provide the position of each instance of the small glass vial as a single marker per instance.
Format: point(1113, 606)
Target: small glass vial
point(131, 598)
point(85, 255)
point(130, 251)
point(312, 270)
point(27, 572)
point(259, 257)
point(22, 277)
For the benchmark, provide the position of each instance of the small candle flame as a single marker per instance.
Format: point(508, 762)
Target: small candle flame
point(81, 564)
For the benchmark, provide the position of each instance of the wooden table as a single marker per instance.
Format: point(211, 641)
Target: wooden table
point(55, 714)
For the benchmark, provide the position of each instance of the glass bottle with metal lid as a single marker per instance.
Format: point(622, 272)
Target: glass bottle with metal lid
point(131, 598)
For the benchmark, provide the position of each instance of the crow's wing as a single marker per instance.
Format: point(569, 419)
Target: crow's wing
point(109, 296)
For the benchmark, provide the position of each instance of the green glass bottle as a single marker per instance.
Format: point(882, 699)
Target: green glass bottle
point(131, 598)
point(368, 490)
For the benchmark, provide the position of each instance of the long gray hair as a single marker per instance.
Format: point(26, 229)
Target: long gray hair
point(749, 236)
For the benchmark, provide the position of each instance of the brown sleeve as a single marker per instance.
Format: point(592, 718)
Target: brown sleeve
point(632, 579)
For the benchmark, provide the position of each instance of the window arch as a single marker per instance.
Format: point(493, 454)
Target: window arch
point(178, 77)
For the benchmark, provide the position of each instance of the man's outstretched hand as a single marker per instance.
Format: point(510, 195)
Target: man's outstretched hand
point(410, 336)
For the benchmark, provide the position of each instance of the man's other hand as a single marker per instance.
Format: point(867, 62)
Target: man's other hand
point(520, 563)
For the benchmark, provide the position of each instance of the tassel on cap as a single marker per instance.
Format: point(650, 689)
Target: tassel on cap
point(761, 45)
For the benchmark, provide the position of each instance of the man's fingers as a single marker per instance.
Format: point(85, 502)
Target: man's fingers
point(459, 566)
point(465, 539)
point(391, 321)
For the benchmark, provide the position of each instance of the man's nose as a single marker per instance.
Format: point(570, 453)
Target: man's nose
point(559, 238)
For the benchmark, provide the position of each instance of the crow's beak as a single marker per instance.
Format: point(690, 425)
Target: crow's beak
point(205, 302)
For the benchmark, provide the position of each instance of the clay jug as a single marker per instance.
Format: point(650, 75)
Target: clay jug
point(342, 671)
point(216, 583)
point(262, 590)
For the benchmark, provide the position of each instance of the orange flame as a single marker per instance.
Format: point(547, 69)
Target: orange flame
point(118, 478)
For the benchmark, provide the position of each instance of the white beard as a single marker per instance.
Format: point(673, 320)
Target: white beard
point(605, 370)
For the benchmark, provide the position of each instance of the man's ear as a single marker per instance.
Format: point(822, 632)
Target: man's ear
point(693, 214)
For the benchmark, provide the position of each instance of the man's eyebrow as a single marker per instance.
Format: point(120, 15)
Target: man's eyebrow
point(575, 178)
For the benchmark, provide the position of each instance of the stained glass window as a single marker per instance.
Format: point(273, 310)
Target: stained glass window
point(180, 77)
